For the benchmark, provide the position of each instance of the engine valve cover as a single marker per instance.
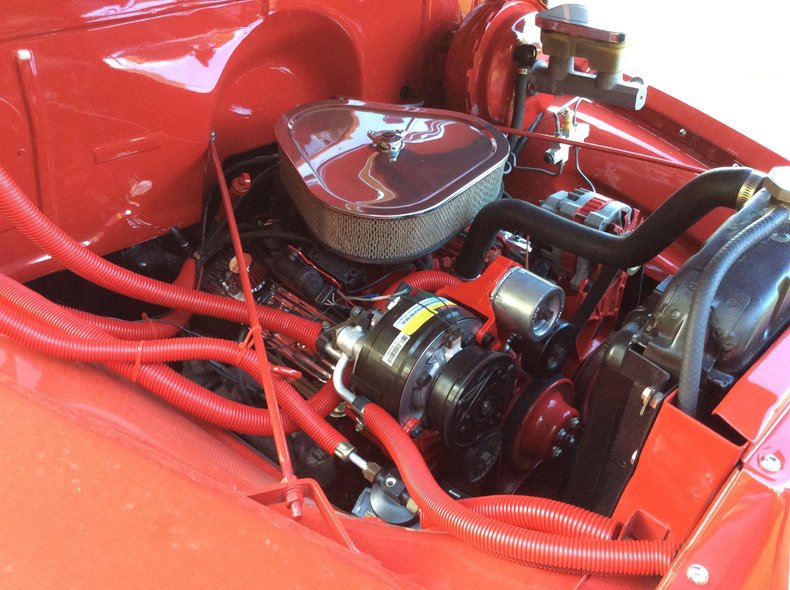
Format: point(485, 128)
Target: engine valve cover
point(385, 183)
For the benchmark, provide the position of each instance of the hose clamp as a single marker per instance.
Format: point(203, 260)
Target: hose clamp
point(748, 188)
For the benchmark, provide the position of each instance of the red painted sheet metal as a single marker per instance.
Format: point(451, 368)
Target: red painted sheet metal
point(108, 91)
point(106, 485)
point(108, 114)
point(681, 468)
point(111, 407)
point(761, 395)
point(744, 540)
point(703, 136)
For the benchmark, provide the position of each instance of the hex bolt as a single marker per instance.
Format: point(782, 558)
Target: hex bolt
point(562, 434)
point(771, 463)
point(556, 452)
point(698, 574)
point(390, 482)
point(575, 422)
point(371, 471)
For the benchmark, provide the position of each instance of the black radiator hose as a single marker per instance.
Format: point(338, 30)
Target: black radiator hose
point(721, 187)
point(704, 295)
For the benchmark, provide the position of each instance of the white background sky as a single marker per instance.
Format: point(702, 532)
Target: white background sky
point(729, 59)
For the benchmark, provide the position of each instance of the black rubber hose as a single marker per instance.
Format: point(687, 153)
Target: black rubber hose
point(721, 187)
point(519, 102)
point(704, 294)
point(522, 141)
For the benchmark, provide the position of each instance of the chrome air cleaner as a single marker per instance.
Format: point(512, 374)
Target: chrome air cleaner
point(385, 183)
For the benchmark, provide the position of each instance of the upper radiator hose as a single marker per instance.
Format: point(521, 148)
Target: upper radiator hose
point(721, 187)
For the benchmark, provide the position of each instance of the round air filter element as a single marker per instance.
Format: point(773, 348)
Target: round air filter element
point(385, 183)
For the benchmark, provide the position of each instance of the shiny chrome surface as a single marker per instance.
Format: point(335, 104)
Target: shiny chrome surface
point(527, 304)
point(442, 153)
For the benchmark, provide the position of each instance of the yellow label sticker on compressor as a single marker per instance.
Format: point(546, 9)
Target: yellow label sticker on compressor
point(413, 318)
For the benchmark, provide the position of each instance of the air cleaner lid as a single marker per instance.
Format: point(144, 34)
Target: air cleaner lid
point(376, 160)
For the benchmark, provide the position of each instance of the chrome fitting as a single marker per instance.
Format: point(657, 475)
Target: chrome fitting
point(332, 352)
point(370, 471)
point(348, 339)
point(344, 450)
point(778, 184)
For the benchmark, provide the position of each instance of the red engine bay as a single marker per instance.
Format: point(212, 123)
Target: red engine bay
point(287, 297)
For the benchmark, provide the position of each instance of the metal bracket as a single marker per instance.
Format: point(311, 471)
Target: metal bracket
point(309, 488)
